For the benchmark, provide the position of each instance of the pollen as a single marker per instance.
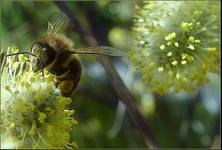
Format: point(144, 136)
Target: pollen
point(11, 61)
point(204, 29)
point(12, 125)
point(160, 69)
point(178, 76)
point(170, 36)
point(184, 24)
point(168, 43)
point(142, 42)
point(169, 54)
point(21, 58)
point(42, 117)
point(197, 41)
point(176, 44)
point(140, 20)
point(14, 49)
point(174, 63)
point(191, 39)
point(162, 47)
point(42, 103)
point(184, 56)
point(190, 24)
point(183, 62)
point(191, 47)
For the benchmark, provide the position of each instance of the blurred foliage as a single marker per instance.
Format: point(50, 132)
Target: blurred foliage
point(178, 120)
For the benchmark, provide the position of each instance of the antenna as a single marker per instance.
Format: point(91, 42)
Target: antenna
point(20, 53)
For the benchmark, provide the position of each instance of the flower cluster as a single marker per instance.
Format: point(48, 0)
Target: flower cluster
point(34, 114)
point(176, 44)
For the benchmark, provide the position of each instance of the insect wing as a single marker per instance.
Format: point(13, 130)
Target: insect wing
point(53, 28)
point(101, 50)
point(57, 23)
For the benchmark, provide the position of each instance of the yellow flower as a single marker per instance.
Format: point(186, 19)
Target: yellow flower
point(33, 109)
point(182, 39)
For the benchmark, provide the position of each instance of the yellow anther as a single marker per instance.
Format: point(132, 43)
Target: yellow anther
point(140, 20)
point(176, 44)
point(204, 29)
point(168, 43)
point(184, 24)
point(169, 54)
point(66, 111)
point(11, 61)
point(183, 62)
point(184, 56)
point(190, 24)
point(197, 41)
point(178, 76)
point(14, 49)
point(142, 42)
point(162, 47)
point(191, 38)
point(42, 117)
point(8, 49)
point(174, 63)
point(170, 36)
point(191, 47)
point(21, 58)
point(12, 125)
point(160, 69)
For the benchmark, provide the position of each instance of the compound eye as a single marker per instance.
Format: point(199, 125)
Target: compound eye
point(44, 53)
point(35, 61)
point(36, 49)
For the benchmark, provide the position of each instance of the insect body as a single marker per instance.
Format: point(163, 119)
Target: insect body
point(56, 53)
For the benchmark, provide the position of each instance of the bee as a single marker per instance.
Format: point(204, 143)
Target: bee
point(55, 53)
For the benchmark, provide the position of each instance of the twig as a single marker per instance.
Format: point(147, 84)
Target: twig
point(215, 131)
point(122, 91)
point(193, 102)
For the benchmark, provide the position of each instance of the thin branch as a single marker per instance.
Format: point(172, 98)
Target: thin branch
point(216, 130)
point(193, 102)
point(122, 91)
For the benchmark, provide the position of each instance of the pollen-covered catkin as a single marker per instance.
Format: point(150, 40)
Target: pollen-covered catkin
point(176, 44)
point(34, 114)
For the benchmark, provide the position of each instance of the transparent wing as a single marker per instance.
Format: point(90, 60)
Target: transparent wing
point(51, 28)
point(101, 50)
point(57, 23)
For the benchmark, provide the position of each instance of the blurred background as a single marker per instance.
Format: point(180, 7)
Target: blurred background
point(176, 120)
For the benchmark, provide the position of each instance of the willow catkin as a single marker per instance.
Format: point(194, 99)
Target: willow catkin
point(176, 44)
